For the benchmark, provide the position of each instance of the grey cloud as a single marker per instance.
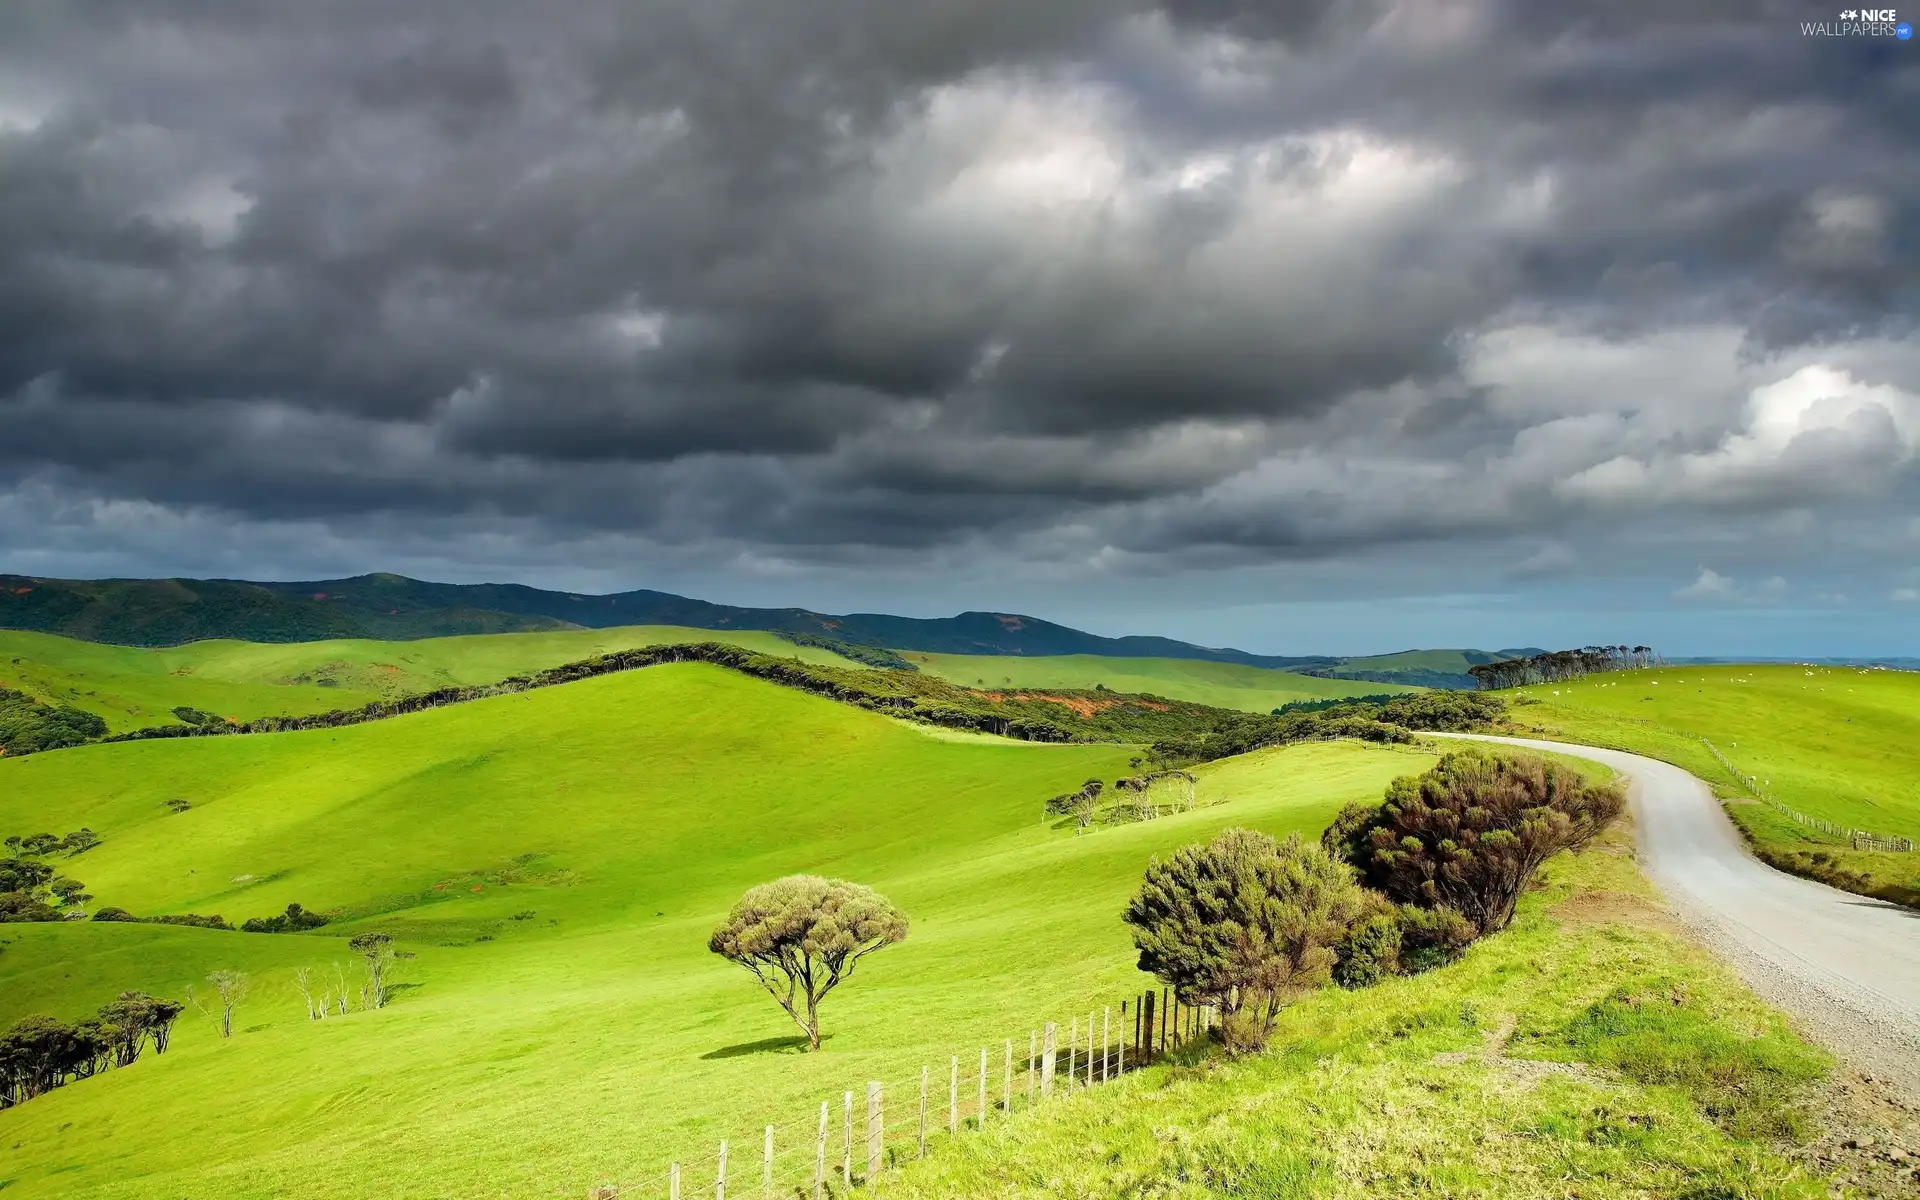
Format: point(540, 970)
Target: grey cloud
point(1093, 283)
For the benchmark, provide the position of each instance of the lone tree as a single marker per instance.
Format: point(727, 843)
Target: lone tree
point(1470, 833)
point(802, 936)
point(1244, 923)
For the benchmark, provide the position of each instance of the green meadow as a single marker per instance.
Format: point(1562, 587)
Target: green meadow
point(555, 861)
point(130, 687)
point(1841, 743)
point(1223, 685)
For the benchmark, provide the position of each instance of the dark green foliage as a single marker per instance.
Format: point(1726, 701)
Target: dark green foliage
point(27, 726)
point(873, 656)
point(1399, 939)
point(1749, 1086)
point(196, 920)
point(1322, 705)
point(40, 1053)
point(1244, 923)
point(179, 806)
point(18, 907)
point(294, 920)
point(194, 716)
point(1470, 833)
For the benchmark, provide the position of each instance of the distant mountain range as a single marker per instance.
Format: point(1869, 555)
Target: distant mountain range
point(166, 612)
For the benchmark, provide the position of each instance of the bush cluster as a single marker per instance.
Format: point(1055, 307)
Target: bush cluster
point(1244, 923)
point(294, 920)
point(40, 1053)
point(196, 920)
point(33, 890)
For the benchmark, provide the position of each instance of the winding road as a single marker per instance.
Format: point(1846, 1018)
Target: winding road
point(1848, 965)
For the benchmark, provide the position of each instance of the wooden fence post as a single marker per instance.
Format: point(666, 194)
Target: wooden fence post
point(1120, 1063)
point(673, 1182)
point(820, 1156)
point(923, 1112)
point(1164, 1016)
point(1073, 1049)
point(1006, 1084)
point(1089, 1047)
point(720, 1174)
point(1047, 1052)
point(953, 1100)
point(876, 1130)
point(1106, 1042)
point(766, 1167)
point(1143, 1016)
point(846, 1143)
point(1032, 1054)
point(983, 1089)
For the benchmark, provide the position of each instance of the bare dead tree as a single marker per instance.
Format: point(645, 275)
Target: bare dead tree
point(229, 988)
point(305, 984)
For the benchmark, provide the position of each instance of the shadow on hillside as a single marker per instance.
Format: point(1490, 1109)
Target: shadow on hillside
point(779, 1045)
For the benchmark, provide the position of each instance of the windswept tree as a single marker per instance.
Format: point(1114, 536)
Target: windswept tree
point(802, 936)
point(1244, 923)
point(1470, 833)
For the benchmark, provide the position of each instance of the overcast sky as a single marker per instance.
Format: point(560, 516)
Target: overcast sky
point(1292, 326)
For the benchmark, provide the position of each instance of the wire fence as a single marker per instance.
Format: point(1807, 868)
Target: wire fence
point(1860, 838)
point(857, 1137)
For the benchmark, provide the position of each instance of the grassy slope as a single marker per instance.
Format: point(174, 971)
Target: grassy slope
point(131, 687)
point(1833, 742)
point(599, 1036)
point(1223, 685)
point(1355, 1100)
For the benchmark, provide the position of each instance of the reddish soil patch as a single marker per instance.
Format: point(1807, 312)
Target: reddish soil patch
point(1011, 622)
point(1155, 707)
point(1080, 705)
point(1615, 908)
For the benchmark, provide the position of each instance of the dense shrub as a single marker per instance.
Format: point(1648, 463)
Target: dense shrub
point(1244, 923)
point(1399, 939)
point(1470, 833)
point(294, 920)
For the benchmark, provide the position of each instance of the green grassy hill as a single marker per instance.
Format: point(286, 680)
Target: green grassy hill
point(132, 687)
point(532, 1057)
point(1842, 743)
point(1223, 685)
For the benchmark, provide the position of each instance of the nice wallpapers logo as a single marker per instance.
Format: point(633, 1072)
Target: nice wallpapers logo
point(1861, 22)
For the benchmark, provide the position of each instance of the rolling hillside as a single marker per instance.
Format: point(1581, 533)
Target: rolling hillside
point(623, 814)
point(133, 687)
point(1223, 685)
point(1839, 743)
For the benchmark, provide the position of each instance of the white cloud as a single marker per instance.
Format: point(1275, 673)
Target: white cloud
point(1907, 595)
point(1818, 433)
point(1711, 585)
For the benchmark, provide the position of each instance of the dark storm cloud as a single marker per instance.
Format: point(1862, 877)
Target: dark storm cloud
point(1092, 282)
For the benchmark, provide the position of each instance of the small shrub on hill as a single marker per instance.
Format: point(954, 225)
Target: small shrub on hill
point(1244, 923)
point(1398, 939)
point(1470, 833)
point(294, 920)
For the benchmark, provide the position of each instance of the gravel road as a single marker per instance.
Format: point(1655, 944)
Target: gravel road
point(1848, 966)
